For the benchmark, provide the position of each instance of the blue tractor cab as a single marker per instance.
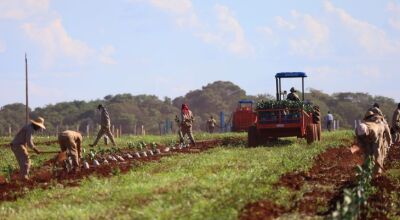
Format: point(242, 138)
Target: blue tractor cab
point(278, 78)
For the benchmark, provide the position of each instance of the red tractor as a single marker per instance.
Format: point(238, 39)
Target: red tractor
point(283, 118)
point(244, 116)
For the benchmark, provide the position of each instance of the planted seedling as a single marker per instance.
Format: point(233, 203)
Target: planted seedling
point(155, 149)
point(8, 171)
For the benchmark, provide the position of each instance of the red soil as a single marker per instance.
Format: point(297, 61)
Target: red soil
point(44, 176)
point(334, 167)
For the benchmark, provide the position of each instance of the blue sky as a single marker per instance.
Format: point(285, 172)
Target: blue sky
point(83, 50)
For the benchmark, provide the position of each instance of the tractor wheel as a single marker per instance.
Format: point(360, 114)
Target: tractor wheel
point(310, 133)
point(318, 132)
point(252, 140)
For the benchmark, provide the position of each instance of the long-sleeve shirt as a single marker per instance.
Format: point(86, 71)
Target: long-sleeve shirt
point(24, 136)
point(187, 118)
point(105, 118)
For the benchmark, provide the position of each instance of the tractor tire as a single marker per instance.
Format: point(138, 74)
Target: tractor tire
point(310, 133)
point(252, 139)
point(318, 132)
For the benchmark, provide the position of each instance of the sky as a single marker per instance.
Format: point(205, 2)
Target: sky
point(84, 50)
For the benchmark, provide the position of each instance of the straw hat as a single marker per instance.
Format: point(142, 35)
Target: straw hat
point(39, 122)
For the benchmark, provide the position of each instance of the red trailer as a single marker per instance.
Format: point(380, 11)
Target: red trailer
point(275, 123)
point(244, 116)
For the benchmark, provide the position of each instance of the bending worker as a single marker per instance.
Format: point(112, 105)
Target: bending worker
point(375, 139)
point(105, 126)
point(71, 144)
point(21, 141)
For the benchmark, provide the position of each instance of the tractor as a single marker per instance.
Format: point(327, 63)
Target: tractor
point(244, 116)
point(283, 118)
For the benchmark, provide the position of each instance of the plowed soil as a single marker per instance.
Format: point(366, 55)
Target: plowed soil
point(44, 177)
point(385, 202)
point(332, 171)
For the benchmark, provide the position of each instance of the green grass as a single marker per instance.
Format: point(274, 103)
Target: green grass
point(215, 184)
point(7, 157)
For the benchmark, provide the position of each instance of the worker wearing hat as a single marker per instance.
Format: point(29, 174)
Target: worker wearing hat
point(105, 126)
point(293, 95)
point(71, 144)
point(21, 141)
point(374, 137)
point(376, 109)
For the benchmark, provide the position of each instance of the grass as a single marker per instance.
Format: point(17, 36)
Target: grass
point(7, 157)
point(215, 184)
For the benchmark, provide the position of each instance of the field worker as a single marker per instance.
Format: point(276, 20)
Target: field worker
point(186, 123)
point(21, 141)
point(317, 120)
point(377, 112)
point(396, 124)
point(375, 139)
point(375, 109)
point(329, 121)
point(293, 95)
point(71, 143)
point(211, 123)
point(105, 126)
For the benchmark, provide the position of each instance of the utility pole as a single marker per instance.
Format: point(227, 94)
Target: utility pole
point(26, 90)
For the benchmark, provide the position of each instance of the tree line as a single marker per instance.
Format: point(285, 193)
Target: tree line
point(130, 112)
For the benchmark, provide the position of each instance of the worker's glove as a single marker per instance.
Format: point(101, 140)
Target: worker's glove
point(36, 150)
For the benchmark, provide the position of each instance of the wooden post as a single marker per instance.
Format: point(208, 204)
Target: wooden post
point(120, 130)
point(142, 130)
point(87, 130)
point(77, 128)
point(26, 91)
point(9, 130)
point(117, 134)
point(113, 130)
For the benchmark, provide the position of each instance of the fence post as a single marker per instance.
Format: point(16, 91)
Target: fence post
point(135, 129)
point(222, 121)
point(87, 130)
